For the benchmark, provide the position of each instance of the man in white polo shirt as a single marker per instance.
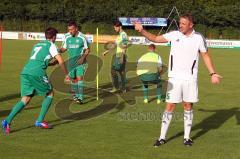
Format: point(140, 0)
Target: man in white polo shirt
point(186, 45)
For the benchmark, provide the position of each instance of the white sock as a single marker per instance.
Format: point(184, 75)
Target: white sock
point(166, 119)
point(188, 118)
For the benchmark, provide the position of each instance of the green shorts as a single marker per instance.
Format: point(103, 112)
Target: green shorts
point(34, 85)
point(78, 71)
point(116, 63)
point(151, 78)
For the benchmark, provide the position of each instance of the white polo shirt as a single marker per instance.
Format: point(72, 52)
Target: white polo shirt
point(184, 54)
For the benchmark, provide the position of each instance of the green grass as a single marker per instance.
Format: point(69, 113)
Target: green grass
point(120, 126)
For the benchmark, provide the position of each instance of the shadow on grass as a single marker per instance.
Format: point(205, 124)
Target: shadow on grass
point(109, 101)
point(4, 113)
point(63, 112)
point(214, 121)
point(10, 97)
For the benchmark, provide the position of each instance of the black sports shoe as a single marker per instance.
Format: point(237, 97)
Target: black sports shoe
point(187, 142)
point(160, 142)
point(74, 98)
point(124, 90)
point(79, 101)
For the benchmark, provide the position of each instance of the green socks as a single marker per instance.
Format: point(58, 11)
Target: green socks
point(159, 91)
point(123, 80)
point(45, 106)
point(16, 109)
point(74, 88)
point(77, 89)
point(115, 81)
point(20, 105)
point(145, 91)
point(79, 93)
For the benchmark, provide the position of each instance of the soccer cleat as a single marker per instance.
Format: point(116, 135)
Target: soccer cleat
point(75, 98)
point(124, 90)
point(145, 101)
point(79, 101)
point(188, 142)
point(158, 101)
point(6, 127)
point(43, 125)
point(160, 142)
point(114, 90)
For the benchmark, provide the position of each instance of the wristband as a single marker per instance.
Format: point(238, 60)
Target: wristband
point(213, 74)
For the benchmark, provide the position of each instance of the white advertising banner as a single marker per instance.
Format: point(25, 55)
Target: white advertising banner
point(223, 44)
point(9, 35)
point(38, 36)
point(137, 40)
point(41, 36)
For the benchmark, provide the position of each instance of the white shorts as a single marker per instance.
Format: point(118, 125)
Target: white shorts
point(181, 90)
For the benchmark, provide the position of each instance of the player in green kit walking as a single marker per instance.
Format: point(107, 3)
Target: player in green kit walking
point(34, 80)
point(76, 44)
point(119, 59)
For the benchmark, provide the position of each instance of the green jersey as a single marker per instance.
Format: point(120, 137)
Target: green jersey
point(75, 46)
point(40, 56)
point(122, 40)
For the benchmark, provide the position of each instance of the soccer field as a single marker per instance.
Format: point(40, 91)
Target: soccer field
point(120, 125)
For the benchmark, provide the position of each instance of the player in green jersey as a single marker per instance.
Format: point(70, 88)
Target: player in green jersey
point(119, 59)
point(149, 68)
point(77, 46)
point(34, 80)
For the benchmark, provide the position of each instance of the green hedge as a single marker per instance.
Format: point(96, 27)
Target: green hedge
point(104, 28)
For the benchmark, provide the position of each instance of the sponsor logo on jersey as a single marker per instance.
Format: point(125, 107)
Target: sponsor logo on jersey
point(73, 46)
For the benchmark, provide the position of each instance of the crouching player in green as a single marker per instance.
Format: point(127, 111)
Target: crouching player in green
point(149, 68)
point(34, 80)
point(76, 44)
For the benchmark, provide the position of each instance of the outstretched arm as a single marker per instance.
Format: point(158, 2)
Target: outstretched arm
point(149, 36)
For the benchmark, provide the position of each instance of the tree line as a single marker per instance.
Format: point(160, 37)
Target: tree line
point(213, 18)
